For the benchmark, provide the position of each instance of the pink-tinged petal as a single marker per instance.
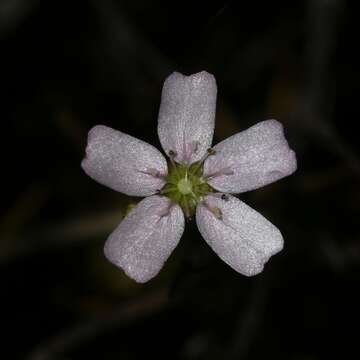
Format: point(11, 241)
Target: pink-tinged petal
point(251, 159)
point(146, 237)
point(187, 115)
point(124, 163)
point(241, 237)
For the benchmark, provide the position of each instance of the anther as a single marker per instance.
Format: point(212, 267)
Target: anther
point(194, 147)
point(209, 152)
point(214, 210)
point(224, 197)
point(166, 211)
point(153, 172)
point(217, 213)
point(225, 171)
point(165, 191)
point(172, 154)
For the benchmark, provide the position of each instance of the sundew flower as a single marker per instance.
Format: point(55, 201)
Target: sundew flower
point(196, 180)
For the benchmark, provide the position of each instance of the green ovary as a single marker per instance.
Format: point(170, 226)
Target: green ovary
point(186, 186)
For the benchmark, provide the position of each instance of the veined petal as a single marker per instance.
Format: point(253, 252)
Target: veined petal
point(241, 237)
point(123, 163)
point(250, 159)
point(187, 115)
point(146, 237)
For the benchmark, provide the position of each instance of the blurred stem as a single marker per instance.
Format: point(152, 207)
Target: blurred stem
point(81, 333)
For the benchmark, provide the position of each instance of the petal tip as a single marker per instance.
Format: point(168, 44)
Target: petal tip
point(199, 76)
point(108, 252)
point(253, 271)
point(203, 75)
point(292, 161)
point(272, 124)
point(95, 130)
point(275, 122)
point(140, 279)
point(203, 78)
point(128, 270)
point(278, 246)
point(83, 163)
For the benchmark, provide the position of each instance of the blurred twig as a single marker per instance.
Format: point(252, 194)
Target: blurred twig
point(248, 321)
point(128, 47)
point(24, 207)
point(316, 108)
point(77, 335)
point(13, 12)
point(71, 127)
point(55, 236)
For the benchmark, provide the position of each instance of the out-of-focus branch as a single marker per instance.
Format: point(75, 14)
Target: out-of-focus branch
point(315, 109)
point(54, 236)
point(249, 320)
point(77, 335)
point(134, 59)
point(12, 12)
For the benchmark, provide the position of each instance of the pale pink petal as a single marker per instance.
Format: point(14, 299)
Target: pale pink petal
point(251, 159)
point(123, 162)
point(241, 237)
point(187, 115)
point(144, 240)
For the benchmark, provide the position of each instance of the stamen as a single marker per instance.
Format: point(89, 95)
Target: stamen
point(166, 211)
point(172, 155)
point(214, 210)
point(187, 210)
point(224, 171)
point(217, 212)
point(224, 197)
point(209, 152)
point(194, 147)
point(153, 172)
point(189, 150)
point(166, 190)
point(185, 184)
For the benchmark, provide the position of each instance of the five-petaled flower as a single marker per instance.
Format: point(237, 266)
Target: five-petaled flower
point(197, 180)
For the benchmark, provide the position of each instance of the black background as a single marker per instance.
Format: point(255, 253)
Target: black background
point(69, 65)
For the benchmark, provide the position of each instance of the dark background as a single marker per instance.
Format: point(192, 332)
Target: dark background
point(68, 65)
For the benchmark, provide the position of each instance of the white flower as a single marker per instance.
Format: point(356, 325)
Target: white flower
point(145, 238)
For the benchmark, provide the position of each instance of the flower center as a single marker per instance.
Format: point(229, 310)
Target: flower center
point(186, 186)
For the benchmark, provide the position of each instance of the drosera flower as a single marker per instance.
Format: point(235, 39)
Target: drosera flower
point(196, 180)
